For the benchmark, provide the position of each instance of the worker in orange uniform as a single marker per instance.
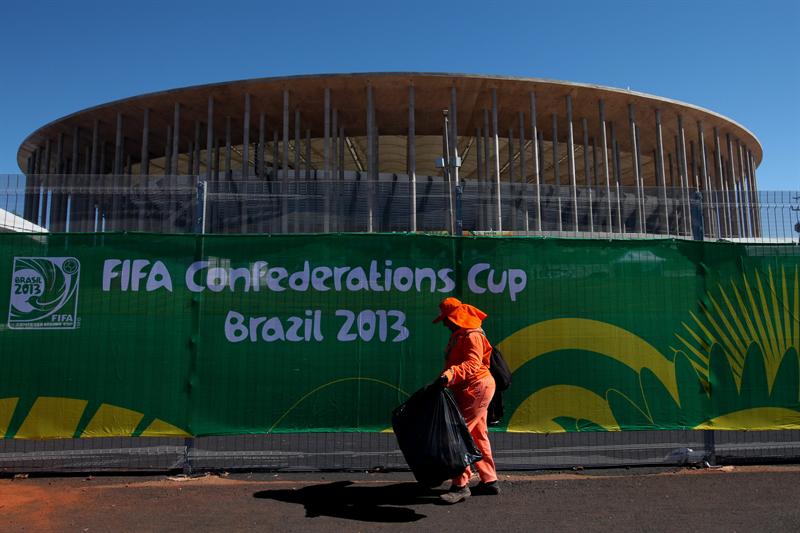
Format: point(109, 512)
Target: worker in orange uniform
point(466, 373)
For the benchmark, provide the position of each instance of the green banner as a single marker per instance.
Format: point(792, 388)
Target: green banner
point(140, 334)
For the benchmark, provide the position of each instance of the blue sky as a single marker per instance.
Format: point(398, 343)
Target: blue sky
point(740, 59)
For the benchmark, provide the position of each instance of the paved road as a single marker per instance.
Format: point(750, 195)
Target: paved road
point(730, 499)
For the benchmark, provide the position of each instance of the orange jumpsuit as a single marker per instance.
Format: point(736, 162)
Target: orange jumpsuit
point(467, 371)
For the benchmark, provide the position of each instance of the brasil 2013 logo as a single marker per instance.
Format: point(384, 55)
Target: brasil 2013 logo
point(44, 293)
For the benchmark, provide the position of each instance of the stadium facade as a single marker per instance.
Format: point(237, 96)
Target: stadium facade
point(394, 152)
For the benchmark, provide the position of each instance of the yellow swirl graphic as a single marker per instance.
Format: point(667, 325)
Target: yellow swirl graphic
point(537, 412)
point(589, 335)
point(757, 418)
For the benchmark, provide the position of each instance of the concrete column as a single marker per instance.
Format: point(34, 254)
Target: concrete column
point(195, 170)
point(162, 216)
point(734, 203)
point(243, 203)
point(296, 181)
point(372, 171)
point(47, 168)
point(216, 147)
point(454, 134)
point(285, 166)
point(36, 185)
point(635, 164)
point(617, 175)
point(176, 140)
point(496, 141)
point(411, 160)
point(453, 170)
point(59, 187)
point(297, 144)
point(46, 190)
point(118, 147)
point(480, 176)
point(334, 189)
point(76, 139)
point(75, 199)
point(452, 156)
point(595, 169)
point(522, 177)
point(246, 139)
point(661, 175)
point(63, 184)
point(308, 154)
point(604, 146)
point(82, 211)
point(684, 172)
point(327, 160)
point(306, 220)
point(27, 203)
point(144, 170)
point(743, 190)
point(680, 215)
point(376, 139)
point(749, 194)
point(571, 165)
point(228, 154)
point(40, 193)
point(756, 198)
point(95, 133)
point(144, 166)
point(103, 151)
point(557, 172)
point(486, 195)
point(590, 214)
point(114, 214)
point(701, 139)
point(536, 155)
point(725, 219)
point(341, 150)
point(129, 223)
point(736, 179)
point(260, 160)
point(512, 185)
point(740, 196)
point(58, 167)
point(586, 167)
point(341, 208)
point(276, 155)
point(210, 139)
point(744, 200)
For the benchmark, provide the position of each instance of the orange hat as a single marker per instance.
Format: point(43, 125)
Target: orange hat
point(461, 314)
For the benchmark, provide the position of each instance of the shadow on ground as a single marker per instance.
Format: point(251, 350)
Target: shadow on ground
point(343, 499)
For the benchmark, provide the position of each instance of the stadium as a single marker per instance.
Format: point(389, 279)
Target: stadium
point(394, 152)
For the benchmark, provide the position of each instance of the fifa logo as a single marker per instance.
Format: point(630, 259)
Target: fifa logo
point(44, 293)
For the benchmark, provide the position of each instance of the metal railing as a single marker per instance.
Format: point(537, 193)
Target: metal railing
point(285, 204)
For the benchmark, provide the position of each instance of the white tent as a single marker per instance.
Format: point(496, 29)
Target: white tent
point(9, 222)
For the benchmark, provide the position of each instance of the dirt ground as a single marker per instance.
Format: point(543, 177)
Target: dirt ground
point(727, 499)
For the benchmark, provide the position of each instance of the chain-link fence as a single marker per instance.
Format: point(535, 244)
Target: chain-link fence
point(393, 203)
point(378, 451)
point(188, 204)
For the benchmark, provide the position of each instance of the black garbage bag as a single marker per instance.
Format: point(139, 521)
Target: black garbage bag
point(433, 436)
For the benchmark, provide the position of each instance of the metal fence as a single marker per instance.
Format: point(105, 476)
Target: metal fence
point(393, 203)
point(378, 451)
point(188, 204)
